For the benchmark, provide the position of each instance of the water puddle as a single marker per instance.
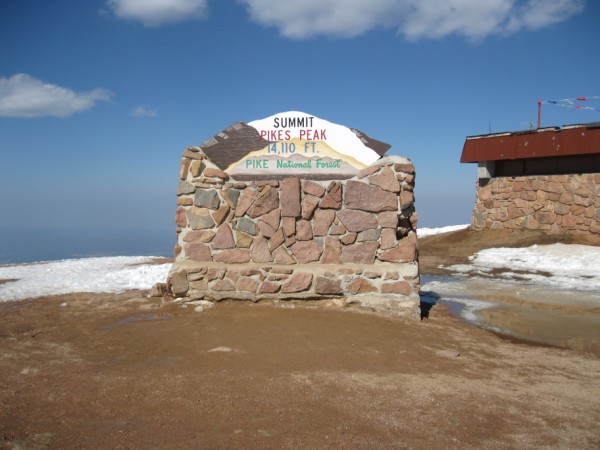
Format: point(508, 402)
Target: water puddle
point(141, 317)
point(533, 313)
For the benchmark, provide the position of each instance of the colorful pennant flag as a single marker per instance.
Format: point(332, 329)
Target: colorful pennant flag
point(572, 102)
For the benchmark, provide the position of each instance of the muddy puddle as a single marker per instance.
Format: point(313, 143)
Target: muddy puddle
point(533, 313)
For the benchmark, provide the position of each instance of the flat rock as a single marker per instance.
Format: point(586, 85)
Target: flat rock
point(290, 197)
point(206, 198)
point(370, 198)
point(357, 221)
point(297, 283)
point(307, 251)
point(360, 253)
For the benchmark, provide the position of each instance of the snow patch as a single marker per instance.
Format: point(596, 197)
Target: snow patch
point(106, 274)
point(567, 266)
point(422, 232)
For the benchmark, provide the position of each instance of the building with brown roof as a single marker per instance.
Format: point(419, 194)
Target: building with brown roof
point(544, 179)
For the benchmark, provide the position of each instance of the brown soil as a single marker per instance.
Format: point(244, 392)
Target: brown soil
point(457, 246)
point(106, 371)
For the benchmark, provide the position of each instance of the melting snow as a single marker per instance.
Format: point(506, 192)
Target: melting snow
point(422, 232)
point(567, 266)
point(107, 274)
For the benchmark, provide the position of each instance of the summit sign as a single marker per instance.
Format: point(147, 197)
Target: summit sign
point(292, 144)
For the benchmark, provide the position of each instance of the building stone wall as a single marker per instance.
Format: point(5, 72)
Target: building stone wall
point(557, 204)
point(353, 240)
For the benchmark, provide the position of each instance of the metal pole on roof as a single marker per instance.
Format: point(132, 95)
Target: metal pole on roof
point(539, 114)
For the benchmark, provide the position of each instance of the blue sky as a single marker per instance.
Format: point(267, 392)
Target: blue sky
point(99, 98)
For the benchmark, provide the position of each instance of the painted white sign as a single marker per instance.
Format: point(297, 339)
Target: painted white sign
point(298, 143)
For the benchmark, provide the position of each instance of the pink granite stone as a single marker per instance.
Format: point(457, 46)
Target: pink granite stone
point(322, 220)
point(386, 180)
point(235, 256)
point(306, 251)
point(360, 253)
point(290, 197)
point(223, 238)
point(197, 251)
point(357, 220)
point(260, 251)
point(312, 188)
point(370, 198)
point(297, 283)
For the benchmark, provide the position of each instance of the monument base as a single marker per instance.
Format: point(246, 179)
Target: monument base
point(390, 287)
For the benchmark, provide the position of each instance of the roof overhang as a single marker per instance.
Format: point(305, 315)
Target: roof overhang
point(541, 143)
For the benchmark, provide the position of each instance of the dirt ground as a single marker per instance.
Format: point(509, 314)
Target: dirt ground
point(124, 372)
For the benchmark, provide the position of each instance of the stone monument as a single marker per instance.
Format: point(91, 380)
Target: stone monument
point(294, 207)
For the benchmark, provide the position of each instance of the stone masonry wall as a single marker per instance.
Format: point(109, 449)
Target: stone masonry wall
point(558, 204)
point(353, 239)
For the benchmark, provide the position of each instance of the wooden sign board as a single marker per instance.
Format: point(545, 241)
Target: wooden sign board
point(292, 143)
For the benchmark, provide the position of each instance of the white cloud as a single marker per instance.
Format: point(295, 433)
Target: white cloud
point(415, 19)
point(143, 111)
point(153, 13)
point(25, 96)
